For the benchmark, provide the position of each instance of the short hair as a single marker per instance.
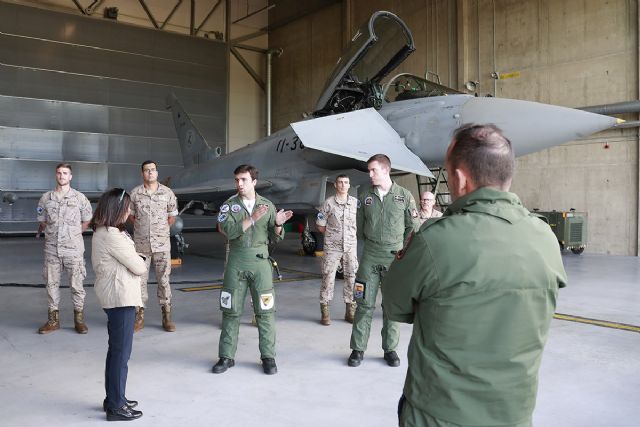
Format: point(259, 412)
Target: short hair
point(253, 171)
point(380, 158)
point(147, 162)
point(64, 165)
point(342, 175)
point(111, 208)
point(485, 152)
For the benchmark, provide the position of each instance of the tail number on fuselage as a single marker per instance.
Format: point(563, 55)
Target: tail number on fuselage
point(293, 145)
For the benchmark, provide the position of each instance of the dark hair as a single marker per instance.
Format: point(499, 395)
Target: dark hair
point(485, 152)
point(380, 158)
point(64, 165)
point(247, 168)
point(342, 175)
point(147, 162)
point(111, 208)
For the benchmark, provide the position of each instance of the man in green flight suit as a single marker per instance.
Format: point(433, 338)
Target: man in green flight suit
point(480, 286)
point(249, 221)
point(386, 215)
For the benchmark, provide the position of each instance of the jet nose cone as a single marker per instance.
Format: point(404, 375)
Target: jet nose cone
point(532, 126)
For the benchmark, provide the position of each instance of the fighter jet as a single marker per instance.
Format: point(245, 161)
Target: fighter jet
point(356, 117)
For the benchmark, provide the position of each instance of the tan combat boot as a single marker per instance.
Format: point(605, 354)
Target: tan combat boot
point(139, 323)
point(324, 310)
point(350, 312)
point(53, 323)
point(78, 320)
point(167, 324)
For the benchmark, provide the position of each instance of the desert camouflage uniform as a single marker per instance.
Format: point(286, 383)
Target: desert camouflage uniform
point(151, 235)
point(63, 244)
point(422, 217)
point(340, 243)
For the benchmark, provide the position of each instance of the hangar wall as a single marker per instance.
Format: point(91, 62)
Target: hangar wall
point(92, 92)
point(564, 52)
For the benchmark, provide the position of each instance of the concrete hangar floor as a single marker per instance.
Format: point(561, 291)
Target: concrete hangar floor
point(590, 374)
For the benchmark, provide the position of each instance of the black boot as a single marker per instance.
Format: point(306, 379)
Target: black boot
point(392, 359)
point(269, 366)
point(356, 358)
point(222, 365)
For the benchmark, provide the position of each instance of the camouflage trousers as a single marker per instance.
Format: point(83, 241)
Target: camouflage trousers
point(52, 273)
point(162, 265)
point(330, 263)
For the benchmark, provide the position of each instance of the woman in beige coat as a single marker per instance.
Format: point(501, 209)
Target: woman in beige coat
point(118, 269)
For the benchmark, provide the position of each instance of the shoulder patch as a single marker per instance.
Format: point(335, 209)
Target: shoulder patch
point(414, 213)
point(222, 217)
point(235, 208)
point(368, 201)
point(224, 208)
point(40, 209)
point(320, 216)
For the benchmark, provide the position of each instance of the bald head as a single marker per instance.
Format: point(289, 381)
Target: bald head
point(484, 153)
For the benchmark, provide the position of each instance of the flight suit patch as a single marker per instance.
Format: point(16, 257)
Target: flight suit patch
point(368, 201)
point(225, 299)
point(224, 208)
point(235, 208)
point(266, 301)
point(320, 216)
point(359, 289)
point(359, 204)
point(398, 198)
point(414, 213)
point(222, 217)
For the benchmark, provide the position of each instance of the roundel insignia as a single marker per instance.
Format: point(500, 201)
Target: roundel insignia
point(320, 216)
point(224, 208)
point(40, 210)
point(222, 217)
point(235, 208)
point(368, 201)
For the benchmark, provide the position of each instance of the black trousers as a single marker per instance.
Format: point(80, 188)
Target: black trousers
point(120, 328)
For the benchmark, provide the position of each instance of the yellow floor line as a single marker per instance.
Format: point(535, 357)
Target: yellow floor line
point(596, 322)
point(219, 286)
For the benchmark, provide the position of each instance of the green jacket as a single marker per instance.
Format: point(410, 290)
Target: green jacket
point(230, 218)
point(388, 222)
point(480, 286)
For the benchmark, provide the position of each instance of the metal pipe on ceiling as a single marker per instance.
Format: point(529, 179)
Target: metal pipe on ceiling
point(615, 108)
point(270, 53)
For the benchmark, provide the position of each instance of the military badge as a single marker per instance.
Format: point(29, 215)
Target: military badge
point(235, 208)
point(320, 216)
point(266, 301)
point(225, 299)
point(222, 217)
point(359, 289)
point(224, 208)
point(40, 210)
point(368, 201)
point(398, 198)
point(414, 213)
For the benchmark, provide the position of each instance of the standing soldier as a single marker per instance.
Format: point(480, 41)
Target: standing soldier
point(153, 211)
point(64, 214)
point(337, 219)
point(386, 216)
point(427, 201)
point(480, 305)
point(249, 221)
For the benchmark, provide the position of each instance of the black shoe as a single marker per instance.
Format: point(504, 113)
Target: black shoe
point(222, 365)
point(356, 358)
point(392, 358)
point(129, 403)
point(123, 414)
point(269, 366)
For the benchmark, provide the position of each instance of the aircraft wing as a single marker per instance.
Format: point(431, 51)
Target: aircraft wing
point(359, 135)
point(212, 190)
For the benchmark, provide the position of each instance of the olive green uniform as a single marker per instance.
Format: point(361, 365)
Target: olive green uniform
point(248, 266)
point(383, 225)
point(480, 286)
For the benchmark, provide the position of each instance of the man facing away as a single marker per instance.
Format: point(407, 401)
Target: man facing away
point(337, 220)
point(154, 209)
point(249, 221)
point(64, 214)
point(386, 216)
point(480, 303)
